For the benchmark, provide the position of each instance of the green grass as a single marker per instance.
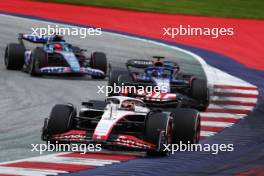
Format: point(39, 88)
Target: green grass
point(218, 8)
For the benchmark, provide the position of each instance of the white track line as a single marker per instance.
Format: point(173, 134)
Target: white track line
point(74, 160)
point(216, 124)
point(253, 92)
point(214, 106)
point(223, 115)
point(28, 171)
point(207, 133)
point(238, 99)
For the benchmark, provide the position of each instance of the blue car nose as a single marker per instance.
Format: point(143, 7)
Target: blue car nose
point(75, 69)
point(72, 61)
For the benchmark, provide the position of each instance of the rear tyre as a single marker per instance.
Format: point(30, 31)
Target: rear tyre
point(14, 56)
point(123, 80)
point(113, 80)
point(38, 60)
point(187, 125)
point(61, 119)
point(158, 132)
point(199, 91)
point(99, 61)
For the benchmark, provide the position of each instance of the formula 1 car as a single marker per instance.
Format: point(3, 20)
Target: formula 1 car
point(122, 122)
point(54, 57)
point(170, 88)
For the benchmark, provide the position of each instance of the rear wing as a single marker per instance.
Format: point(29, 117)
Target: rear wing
point(136, 63)
point(34, 38)
point(141, 63)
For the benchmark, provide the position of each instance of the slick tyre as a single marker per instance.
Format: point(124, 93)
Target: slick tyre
point(186, 126)
point(123, 80)
point(99, 61)
point(158, 131)
point(199, 91)
point(61, 119)
point(14, 56)
point(113, 80)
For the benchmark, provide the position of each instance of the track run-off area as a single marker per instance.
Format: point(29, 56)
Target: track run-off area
point(25, 101)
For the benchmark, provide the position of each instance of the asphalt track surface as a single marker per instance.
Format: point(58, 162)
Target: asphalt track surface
point(25, 101)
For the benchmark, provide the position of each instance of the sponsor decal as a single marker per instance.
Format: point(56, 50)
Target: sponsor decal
point(35, 38)
point(88, 71)
point(142, 62)
point(53, 70)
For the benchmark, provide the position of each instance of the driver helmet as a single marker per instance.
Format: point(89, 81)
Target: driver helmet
point(57, 46)
point(158, 64)
point(130, 105)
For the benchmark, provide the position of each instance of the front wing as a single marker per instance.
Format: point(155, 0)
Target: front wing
point(69, 70)
point(120, 140)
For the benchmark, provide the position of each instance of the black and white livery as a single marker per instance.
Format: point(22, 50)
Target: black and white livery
point(122, 122)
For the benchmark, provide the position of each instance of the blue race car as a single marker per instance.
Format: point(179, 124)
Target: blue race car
point(170, 88)
point(54, 57)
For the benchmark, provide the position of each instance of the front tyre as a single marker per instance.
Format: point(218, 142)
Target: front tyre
point(14, 56)
point(199, 92)
point(187, 126)
point(61, 119)
point(158, 132)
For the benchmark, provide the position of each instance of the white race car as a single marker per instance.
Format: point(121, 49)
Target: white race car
point(122, 122)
